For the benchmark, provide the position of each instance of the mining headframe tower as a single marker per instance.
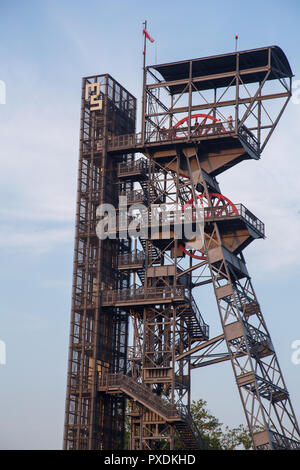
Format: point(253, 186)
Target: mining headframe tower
point(200, 118)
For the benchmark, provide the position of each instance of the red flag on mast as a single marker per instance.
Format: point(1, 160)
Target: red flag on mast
point(147, 35)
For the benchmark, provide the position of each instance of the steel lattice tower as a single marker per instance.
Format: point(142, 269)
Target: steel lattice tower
point(199, 118)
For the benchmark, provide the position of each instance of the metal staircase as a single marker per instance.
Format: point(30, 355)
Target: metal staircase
point(188, 437)
point(179, 417)
point(198, 329)
point(150, 191)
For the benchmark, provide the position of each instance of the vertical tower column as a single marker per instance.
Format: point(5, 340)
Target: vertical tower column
point(98, 336)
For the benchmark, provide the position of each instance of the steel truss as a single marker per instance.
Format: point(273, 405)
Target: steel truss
point(199, 118)
point(98, 337)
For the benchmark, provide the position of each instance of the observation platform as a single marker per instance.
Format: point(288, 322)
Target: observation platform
point(231, 217)
point(179, 295)
point(164, 139)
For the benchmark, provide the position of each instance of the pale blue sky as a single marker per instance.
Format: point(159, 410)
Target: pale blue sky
point(45, 49)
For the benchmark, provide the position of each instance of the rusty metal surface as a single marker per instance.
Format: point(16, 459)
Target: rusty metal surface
point(150, 280)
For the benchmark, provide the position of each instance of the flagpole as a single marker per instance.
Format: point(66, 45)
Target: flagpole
point(236, 42)
point(144, 51)
point(144, 85)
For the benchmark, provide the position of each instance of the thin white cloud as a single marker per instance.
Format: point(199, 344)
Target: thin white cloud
point(270, 188)
point(56, 284)
point(38, 176)
point(34, 241)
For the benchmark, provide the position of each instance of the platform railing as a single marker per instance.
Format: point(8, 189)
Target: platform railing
point(133, 196)
point(148, 219)
point(142, 294)
point(159, 294)
point(248, 137)
point(209, 213)
point(125, 140)
point(128, 259)
point(197, 131)
point(135, 166)
point(171, 134)
point(251, 218)
point(234, 211)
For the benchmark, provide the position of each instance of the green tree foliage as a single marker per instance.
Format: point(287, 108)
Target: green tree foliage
point(214, 434)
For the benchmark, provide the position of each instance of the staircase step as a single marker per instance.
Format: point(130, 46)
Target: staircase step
point(141, 392)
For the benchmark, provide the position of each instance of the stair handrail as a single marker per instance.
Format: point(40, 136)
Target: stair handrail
point(119, 379)
point(204, 326)
point(169, 410)
point(195, 430)
point(134, 257)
